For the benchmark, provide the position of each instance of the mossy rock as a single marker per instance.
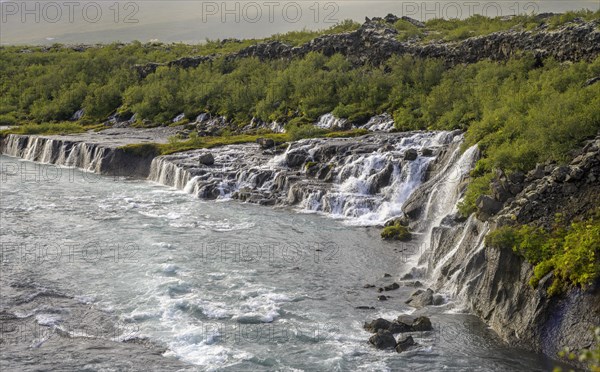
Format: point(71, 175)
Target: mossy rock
point(310, 164)
point(142, 149)
point(396, 232)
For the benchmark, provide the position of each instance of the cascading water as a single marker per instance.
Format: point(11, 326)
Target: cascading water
point(82, 155)
point(364, 181)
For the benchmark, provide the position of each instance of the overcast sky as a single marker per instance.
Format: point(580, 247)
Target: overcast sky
point(193, 21)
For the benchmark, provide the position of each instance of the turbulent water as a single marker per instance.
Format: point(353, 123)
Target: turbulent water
point(102, 273)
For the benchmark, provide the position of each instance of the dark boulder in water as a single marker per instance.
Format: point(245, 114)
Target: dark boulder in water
point(391, 287)
point(404, 344)
point(265, 143)
point(206, 159)
point(421, 324)
point(296, 158)
point(420, 298)
point(377, 325)
point(383, 339)
point(410, 154)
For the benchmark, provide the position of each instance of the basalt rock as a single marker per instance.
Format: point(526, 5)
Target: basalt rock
point(376, 325)
point(403, 324)
point(404, 344)
point(375, 41)
point(265, 143)
point(206, 159)
point(411, 154)
point(420, 298)
point(383, 340)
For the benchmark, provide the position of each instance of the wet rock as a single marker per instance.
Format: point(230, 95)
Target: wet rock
point(383, 340)
point(411, 154)
point(296, 158)
point(399, 327)
point(391, 287)
point(438, 300)
point(382, 298)
point(386, 275)
point(404, 344)
point(377, 324)
point(420, 298)
point(206, 159)
point(402, 221)
point(381, 179)
point(265, 143)
point(487, 207)
point(364, 308)
point(426, 151)
point(421, 324)
point(369, 286)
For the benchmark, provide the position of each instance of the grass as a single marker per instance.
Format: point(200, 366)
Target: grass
point(178, 145)
point(50, 128)
point(455, 29)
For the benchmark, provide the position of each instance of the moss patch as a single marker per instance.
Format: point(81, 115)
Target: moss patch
point(396, 232)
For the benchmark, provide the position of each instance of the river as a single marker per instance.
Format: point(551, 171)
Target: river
point(212, 285)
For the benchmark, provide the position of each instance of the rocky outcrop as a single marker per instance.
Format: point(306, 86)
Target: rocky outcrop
point(384, 331)
point(571, 190)
point(375, 41)
point(402, 324)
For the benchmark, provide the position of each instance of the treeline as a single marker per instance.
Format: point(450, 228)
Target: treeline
point(49, 84)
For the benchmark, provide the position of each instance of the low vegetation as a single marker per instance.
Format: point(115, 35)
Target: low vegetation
point(51, 128)
point(455, 29)
point(176, 144)
point(396, 232)
point(572, 254)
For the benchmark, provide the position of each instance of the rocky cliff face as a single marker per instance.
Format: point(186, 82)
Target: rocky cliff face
point(493, 283)
point(375, 41)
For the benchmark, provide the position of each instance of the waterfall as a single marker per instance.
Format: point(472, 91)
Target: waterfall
point(169, 174)
point(364, 181)
point(328, 121)
point(61, 151)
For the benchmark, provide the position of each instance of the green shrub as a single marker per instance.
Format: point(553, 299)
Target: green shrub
point(7, 119)
point(478, 186)
point(305, 131)
point(396, 232)
point(573, 254)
